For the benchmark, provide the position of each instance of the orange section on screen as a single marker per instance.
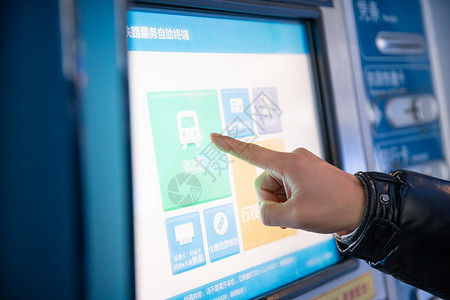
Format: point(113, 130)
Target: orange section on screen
point(254, 233)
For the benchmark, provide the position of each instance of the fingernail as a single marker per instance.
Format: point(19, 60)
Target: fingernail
point(214, 134)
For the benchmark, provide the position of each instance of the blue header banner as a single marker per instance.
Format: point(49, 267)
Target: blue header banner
point(176, 32)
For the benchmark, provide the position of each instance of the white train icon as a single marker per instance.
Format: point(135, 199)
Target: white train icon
point(188, 128)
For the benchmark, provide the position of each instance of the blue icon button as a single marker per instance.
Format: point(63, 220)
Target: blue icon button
point(185, 239)
point(266, 112)
point(221, 232)
point(238, 122)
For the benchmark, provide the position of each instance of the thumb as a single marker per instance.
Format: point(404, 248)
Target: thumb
point(273, 213)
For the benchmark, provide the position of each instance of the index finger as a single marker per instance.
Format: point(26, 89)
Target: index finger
point(251, 153)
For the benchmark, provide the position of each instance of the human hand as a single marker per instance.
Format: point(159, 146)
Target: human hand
point(300, 190)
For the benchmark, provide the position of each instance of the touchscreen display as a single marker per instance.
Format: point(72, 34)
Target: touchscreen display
point(198, 232)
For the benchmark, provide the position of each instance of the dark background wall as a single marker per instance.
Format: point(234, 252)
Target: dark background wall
point(39, 189)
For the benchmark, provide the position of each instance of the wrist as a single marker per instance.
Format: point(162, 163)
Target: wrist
point(344, 233)
point(357, 212)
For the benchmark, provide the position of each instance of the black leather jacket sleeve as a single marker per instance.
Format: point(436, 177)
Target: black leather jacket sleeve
point(405, 231)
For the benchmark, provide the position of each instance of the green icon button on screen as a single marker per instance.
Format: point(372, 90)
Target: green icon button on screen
point(191, 170)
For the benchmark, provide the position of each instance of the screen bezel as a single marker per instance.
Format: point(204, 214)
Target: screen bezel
point(311, 17)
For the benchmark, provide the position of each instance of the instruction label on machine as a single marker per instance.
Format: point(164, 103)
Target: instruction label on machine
point(396, 70)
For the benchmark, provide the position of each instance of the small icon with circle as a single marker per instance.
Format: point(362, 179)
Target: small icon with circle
point(220, 223)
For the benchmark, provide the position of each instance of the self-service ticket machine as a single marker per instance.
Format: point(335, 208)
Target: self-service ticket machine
point(353, 81)
point(140, 205)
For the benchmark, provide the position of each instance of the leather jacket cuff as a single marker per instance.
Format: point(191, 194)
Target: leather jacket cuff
point(375, 236)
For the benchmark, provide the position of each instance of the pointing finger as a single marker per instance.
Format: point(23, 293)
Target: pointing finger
point(252, 153)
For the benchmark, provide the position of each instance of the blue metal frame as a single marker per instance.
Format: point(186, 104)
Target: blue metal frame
point(108, 244)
